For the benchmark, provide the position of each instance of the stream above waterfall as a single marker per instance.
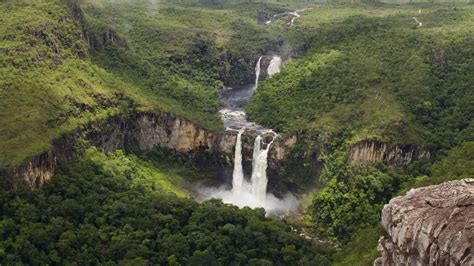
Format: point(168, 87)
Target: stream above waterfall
point(235, 99)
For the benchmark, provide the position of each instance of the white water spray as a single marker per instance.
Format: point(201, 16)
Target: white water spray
point(238, 174)
point(253, 192)
point(417, 21)
point(274, 66)
point(259, 171)
point(257, 72)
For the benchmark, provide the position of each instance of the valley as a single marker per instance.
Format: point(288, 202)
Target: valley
point(235, 132)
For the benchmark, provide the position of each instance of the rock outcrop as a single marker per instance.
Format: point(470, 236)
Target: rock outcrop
point(140, 132)
point(143, 132)
point(430, 226)
point(372, 151)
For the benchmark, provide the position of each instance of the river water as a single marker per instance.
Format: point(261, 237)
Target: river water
point(250, 191)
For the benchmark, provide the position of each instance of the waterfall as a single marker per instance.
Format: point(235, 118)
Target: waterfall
point(238, 174)
point(274, 66)
point(257, 72)
point(249, 191)
point(259, 169)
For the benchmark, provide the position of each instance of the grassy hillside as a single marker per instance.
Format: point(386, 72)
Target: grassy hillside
point(64, 65)
point(48, 85)
point(373, 74)
point(370, 72)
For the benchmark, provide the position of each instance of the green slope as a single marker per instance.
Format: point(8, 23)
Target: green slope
point(373, 74)
point(64, 65)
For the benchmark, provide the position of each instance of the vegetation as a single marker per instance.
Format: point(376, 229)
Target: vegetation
point(411, 85)
point(113, 208)
point(352, 198)
point(65, 65)
point(357, 73)
point(371, 73)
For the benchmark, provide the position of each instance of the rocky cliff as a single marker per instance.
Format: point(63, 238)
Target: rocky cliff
point(143, 132)
point(140, 132)
point(430, 226)
point(372, 151)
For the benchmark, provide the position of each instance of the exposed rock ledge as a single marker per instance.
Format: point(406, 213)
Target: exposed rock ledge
point(142, 132)
point(372, 151)
point(430, 226)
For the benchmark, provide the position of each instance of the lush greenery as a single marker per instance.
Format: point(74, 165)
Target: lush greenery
point(362, 250)
point(114, 208)
point(351, 201)
point(65, 63)
point(377, 77)
point(371, 73)
point(362, 72)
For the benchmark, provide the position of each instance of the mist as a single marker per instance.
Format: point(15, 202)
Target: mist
point(272, 205)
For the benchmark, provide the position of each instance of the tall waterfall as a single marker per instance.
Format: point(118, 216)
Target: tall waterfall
point(274, 66)
point(257, 72)
point(259, 171)
point(250, 190)
point(238, 174)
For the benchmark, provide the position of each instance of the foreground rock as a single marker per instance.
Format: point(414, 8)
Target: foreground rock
point(430, 226)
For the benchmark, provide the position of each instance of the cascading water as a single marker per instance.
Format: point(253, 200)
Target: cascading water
point(274, 66)
point(253, 192)
point(295, 16)
point(259, 171)
point(257, 72)
point(238, 173)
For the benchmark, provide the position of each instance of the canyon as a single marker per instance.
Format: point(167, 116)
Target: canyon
point(141, 132)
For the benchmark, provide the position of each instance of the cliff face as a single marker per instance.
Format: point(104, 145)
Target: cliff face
point(142, 132)
point(139, 133)
point(430, 226)
point(370, 151)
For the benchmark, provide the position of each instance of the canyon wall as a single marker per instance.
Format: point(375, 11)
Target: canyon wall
point(430, 226)
point(142, 132)
point(371, 151)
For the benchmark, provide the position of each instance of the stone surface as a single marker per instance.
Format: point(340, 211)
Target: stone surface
point(371, 151)
point(430, 226)
point(141, 132)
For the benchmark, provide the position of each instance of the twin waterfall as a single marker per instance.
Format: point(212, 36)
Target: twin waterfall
point(250, 190)
point(257, 187)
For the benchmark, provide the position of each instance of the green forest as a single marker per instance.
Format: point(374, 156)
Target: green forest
point(352, 71)
point(113, 208)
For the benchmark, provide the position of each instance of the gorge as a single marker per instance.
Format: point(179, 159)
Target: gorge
point(234, 132)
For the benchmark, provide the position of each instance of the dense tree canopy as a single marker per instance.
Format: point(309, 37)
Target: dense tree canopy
point(108, 209)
